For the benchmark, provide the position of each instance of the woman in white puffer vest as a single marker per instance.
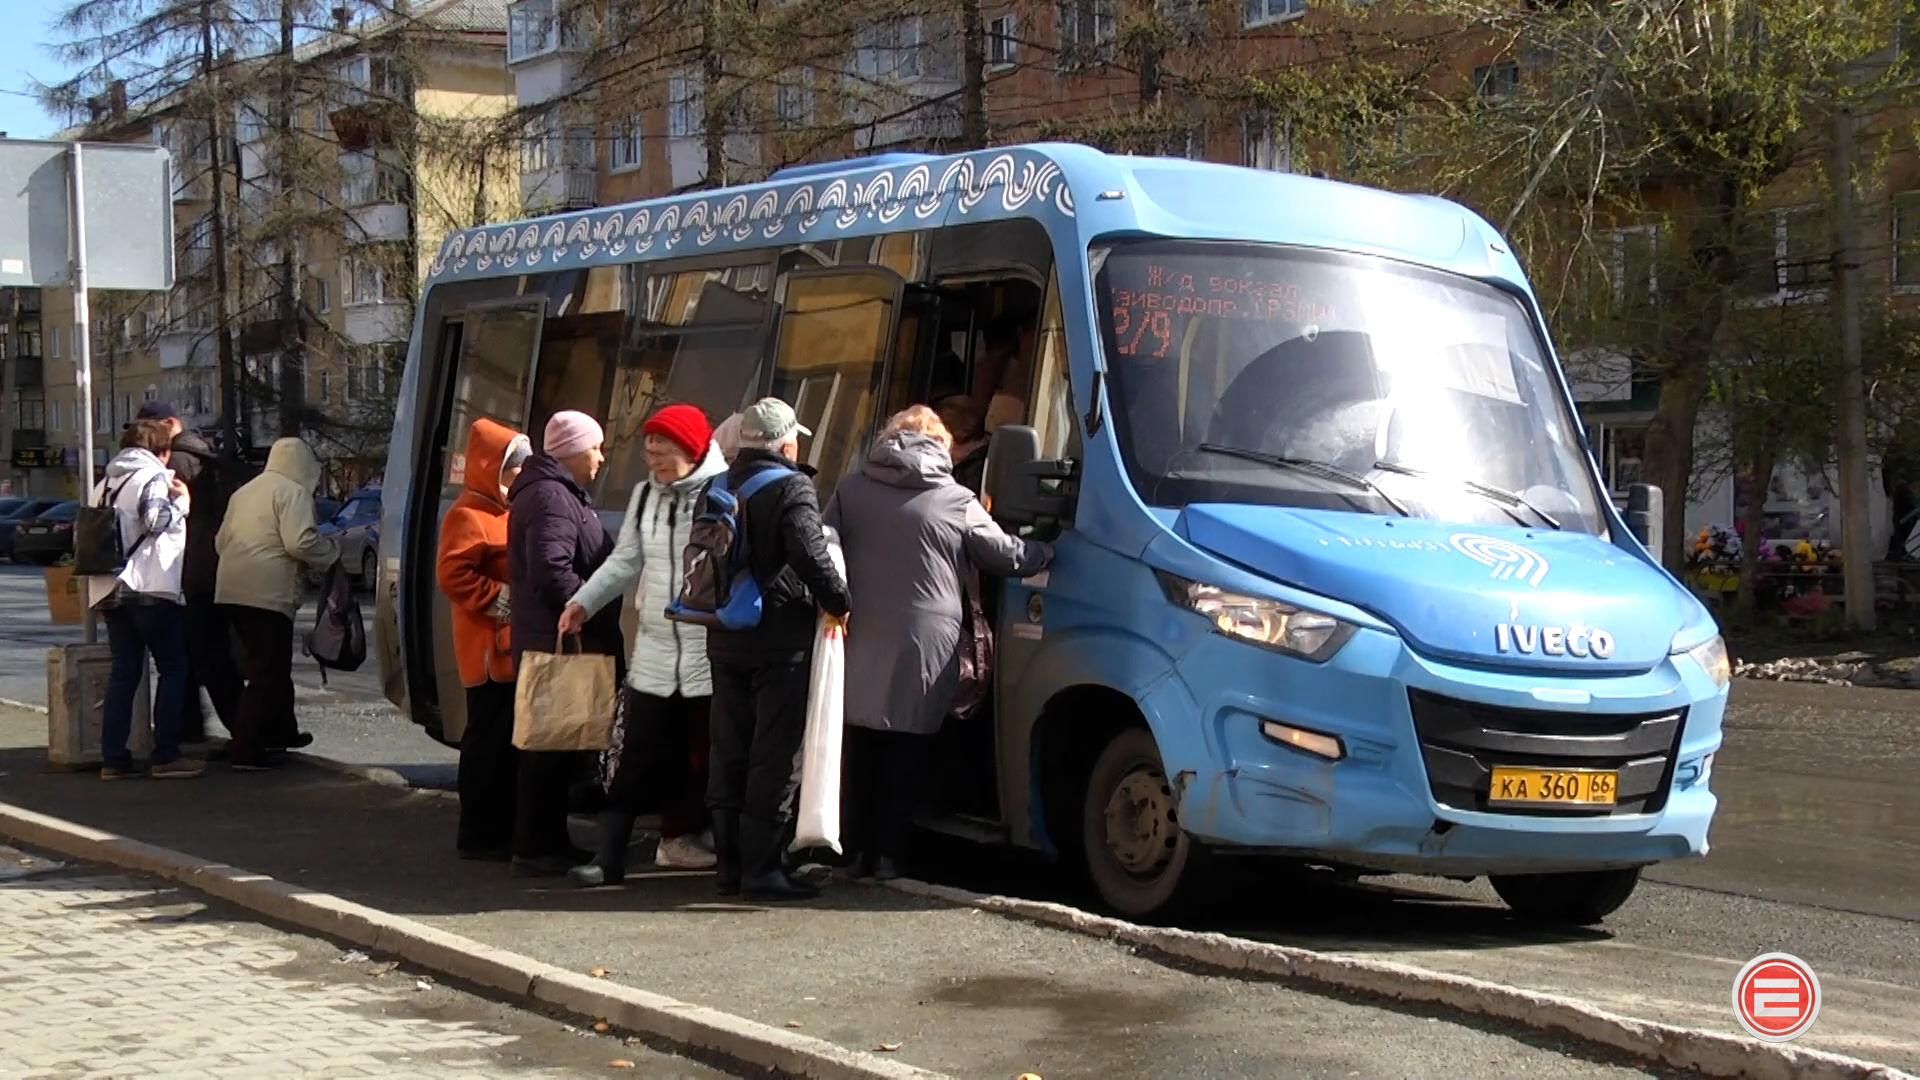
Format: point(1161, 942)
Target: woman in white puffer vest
point(659, 755)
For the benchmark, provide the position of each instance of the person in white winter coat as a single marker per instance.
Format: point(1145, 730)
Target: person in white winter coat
point(659, 753)
point(143, 605)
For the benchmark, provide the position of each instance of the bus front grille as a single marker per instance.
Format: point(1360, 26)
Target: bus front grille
point(1462, 741)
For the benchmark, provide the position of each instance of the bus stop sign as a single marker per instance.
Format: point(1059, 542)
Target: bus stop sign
point(126, 202)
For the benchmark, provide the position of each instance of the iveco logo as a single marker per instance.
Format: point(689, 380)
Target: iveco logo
point(1552, 640)
point(1509, 561)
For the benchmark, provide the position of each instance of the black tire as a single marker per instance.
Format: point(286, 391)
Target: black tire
point(1575, 899)
point(369, 568)
point(1139, 859)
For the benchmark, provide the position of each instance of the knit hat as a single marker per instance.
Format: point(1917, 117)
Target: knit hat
point(518, 451)
point(570, 433)
point(769, 422)
point(685, 425)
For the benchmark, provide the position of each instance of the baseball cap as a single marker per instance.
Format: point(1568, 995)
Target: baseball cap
point(157, 410)
point(769, 421)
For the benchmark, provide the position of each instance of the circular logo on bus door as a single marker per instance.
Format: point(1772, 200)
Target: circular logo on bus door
point(1036, 608)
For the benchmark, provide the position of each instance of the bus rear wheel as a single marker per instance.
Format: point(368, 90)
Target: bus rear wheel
point(1576, 899)
point(1139, 858)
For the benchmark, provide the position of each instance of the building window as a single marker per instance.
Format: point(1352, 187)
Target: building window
point(1492, 81)
point(536, 146)
point(793, 100)
point(1801, 245)
point(366, 280)
point(685, 113)
point(1906, 238)
point(1087, 32)
point(368, 178)
point(53, 341)
point(322, 295)
point(1003, 41)
point(1267, 12)
point(58, 415)
point(535, 29)
point(326, 387)
point(1265, 145)
point(1634, 267)
point(151, 393)
point(624, 147)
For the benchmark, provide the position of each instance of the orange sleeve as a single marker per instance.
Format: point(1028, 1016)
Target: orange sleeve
point(463, 550)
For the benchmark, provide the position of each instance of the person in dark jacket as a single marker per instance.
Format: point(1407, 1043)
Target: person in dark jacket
point(964, 425)
point(760, 675)
point(211, 479)
point(555, 542)
point(911, 536)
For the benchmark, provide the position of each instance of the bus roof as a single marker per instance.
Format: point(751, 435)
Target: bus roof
point(1079, 194)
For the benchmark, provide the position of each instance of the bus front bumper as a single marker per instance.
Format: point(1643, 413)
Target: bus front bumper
point(1397, 800)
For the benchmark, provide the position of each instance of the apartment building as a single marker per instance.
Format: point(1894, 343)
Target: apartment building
point(395, 143)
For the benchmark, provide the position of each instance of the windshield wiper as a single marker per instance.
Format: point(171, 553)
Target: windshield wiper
point(1308, 465)
point(1507, 499)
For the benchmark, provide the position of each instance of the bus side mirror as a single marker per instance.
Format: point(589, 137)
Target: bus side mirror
point(1021, 488)
point(1646, 516)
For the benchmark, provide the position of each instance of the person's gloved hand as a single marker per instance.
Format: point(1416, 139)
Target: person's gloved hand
point(502, 607)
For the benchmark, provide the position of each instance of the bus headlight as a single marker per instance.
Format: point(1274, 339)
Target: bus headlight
point(1275, 625)
point(1711, 655)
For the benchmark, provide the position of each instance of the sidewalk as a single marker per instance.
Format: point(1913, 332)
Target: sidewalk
point(959, 991)
point(111, 974)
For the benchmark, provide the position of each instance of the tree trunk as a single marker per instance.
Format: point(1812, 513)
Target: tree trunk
point(229, 368)
point(1670, 451)
point(1761, 463)
point(712, 98)
point(974, 134)
point(1856, 537)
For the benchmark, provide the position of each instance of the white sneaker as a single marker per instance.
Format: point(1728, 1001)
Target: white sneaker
point(681, 853)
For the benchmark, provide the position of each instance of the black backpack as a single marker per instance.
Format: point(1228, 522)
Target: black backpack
point(98, 547)
point(339, 637)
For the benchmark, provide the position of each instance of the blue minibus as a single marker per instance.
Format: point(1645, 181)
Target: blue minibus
point(1336, 579)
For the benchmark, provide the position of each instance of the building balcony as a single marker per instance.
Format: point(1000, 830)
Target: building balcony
point(29, 438)
point(935, 122)
point(181, 345)
point(377, 222)
point(377, 323)
point(27, 373)
point(562, 188)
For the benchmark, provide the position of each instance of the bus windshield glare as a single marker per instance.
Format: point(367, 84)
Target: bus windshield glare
point(1294, 377)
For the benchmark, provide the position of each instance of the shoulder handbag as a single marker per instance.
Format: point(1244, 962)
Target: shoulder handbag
point(976, 651)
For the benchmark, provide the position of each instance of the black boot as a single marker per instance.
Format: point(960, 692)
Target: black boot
point(726, 850)
point(765, 876)
point(609, 865)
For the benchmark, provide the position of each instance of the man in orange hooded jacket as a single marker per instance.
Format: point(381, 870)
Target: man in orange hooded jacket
point(472, 569)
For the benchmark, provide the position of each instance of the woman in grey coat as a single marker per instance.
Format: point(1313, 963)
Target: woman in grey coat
point(909, 533)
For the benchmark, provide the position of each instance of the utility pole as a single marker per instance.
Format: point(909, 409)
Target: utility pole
point(229, 365)
point(10, 380)
point(1856, 535)
point(291, 315)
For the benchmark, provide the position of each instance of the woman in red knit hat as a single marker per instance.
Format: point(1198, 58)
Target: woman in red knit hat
point(659, 753)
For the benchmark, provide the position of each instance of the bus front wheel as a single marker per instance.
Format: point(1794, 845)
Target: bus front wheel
point(1139, 858)
point(1576, 899)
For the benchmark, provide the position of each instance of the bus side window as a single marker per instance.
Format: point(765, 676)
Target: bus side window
point(494, 362)
point(836, 331)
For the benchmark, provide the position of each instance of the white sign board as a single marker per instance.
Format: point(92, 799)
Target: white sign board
point(127, 203)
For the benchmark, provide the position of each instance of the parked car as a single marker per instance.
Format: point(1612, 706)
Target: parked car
point(21, 510)
point(44, 539)
point(357, 524)
point(324, 508)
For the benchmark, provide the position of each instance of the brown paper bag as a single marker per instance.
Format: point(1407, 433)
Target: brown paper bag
point(563, 700)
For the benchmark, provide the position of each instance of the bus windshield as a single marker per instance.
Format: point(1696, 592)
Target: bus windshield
point(1295, 377)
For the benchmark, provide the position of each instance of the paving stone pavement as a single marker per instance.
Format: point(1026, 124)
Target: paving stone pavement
point(109, 974)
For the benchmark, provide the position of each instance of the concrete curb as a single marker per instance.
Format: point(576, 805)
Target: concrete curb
point(625, 1007)
point(371, 773)
point(1708, 1052)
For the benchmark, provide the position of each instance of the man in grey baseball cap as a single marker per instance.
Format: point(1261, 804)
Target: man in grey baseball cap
point(760, 675)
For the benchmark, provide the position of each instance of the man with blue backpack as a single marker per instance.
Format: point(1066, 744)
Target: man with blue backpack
point(757, 575)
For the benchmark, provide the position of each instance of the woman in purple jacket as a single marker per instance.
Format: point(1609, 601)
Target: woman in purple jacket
point(555, 542)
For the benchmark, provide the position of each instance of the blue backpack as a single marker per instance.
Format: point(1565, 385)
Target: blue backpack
point(717, 586)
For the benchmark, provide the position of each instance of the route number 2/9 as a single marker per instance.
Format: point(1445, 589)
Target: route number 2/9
point(1128, 334)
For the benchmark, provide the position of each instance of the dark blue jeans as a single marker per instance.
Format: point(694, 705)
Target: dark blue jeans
point(137, 626)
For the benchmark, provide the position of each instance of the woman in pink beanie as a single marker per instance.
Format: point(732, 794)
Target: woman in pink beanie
point(555, 542)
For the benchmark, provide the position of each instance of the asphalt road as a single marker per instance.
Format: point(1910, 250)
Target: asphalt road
point(1816, 851)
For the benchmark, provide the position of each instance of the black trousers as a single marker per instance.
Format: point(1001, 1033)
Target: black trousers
point(662, 761)
point(266, 704)
point(489, 770)
point(759, 719)
point(210, 652)
point(883, 777)
point(540, 807)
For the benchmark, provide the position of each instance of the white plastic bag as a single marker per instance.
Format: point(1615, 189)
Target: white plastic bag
point(818, 824)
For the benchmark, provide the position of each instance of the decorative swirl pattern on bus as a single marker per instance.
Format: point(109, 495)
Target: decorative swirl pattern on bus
point(991, 184)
